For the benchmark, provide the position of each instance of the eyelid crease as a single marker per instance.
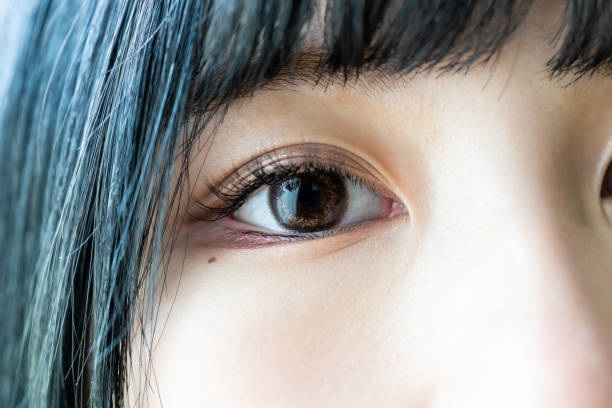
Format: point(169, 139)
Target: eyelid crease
point(230, 192)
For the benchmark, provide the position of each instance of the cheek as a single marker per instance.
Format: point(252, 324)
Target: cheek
point(296, 331)
point(398, 319)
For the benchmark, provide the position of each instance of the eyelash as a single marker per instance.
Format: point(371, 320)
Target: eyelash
point(270, 168)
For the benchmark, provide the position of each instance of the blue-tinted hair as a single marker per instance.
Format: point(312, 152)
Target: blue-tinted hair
point(93, 124)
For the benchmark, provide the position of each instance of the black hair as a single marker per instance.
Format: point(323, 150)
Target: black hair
point(95, 120)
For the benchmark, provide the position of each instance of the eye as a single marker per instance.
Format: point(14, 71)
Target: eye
point(302, 191)
point(314, 202)
point(606, 193)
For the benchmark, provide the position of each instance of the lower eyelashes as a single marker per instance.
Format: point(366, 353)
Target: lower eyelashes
point(296, 193)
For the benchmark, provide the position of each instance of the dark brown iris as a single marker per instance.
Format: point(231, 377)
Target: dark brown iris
point(310, 202)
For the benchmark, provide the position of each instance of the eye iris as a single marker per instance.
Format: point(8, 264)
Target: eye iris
point(309, 202)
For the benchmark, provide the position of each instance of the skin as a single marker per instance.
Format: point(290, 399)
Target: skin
point(491, 290)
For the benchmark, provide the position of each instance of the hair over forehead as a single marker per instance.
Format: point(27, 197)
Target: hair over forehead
point(247, 42)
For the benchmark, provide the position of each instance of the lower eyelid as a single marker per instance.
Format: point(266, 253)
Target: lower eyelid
point(253, 238)
point(342, 237)
point(229, 233)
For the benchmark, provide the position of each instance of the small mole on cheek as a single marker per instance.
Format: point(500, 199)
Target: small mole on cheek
point(211, 259)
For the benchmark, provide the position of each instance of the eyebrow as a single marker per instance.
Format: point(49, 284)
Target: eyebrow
point(308, 69)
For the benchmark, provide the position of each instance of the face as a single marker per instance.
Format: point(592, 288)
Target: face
point(430, 240)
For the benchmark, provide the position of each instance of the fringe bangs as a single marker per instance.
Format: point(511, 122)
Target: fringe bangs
point(249, 42)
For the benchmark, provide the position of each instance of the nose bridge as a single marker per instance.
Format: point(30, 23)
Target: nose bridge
point(519, 364)
point(522, 230)
point(536, 334)
point(514, 192)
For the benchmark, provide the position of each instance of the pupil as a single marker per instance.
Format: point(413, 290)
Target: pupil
point(310, 202)
point(308, 195)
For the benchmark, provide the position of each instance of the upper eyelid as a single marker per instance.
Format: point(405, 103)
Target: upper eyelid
point(249, 176)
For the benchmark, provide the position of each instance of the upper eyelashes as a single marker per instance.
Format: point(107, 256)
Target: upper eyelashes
point(227, 195)
point(304, 191)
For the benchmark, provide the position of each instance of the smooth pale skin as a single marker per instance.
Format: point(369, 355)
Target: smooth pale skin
point(495, 290)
